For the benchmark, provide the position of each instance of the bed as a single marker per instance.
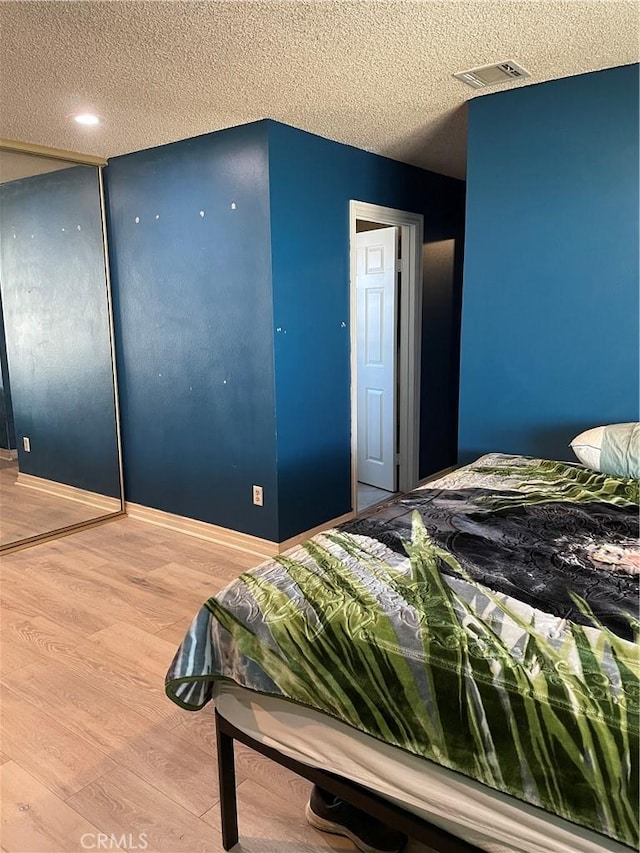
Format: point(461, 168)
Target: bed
point(462, 659)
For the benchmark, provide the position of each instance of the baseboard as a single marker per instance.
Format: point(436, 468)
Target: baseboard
point(8, 455)
point(437, 474)
point(301, 537)
point(203, 530)
point(70, 493)
point(263, 548)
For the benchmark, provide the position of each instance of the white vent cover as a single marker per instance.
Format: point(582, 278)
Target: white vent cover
point(489, 75)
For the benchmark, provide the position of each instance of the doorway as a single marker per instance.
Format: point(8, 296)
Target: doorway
point(386, 306)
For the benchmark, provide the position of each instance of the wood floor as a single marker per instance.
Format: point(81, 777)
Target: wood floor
point(28, 512)
point(92, 752)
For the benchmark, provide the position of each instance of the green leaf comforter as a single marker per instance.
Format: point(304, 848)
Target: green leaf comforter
point(486, 622)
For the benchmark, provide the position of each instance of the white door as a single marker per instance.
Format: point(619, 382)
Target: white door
point(376, 325)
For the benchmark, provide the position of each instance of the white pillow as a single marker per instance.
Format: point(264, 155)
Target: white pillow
point(587, 447)
point(613, 449)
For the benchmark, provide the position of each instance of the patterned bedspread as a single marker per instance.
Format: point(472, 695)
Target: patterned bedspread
point(485, 622)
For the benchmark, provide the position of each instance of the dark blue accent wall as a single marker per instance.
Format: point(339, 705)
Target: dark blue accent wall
point(57, 334)
point(193, 312)
point(550, 316)
point(230, 271)
point(312, 181)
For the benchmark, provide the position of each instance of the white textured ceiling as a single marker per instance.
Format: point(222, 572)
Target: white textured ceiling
point(372, 74)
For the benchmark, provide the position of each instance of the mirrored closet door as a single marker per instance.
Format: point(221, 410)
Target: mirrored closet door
point(60, 466)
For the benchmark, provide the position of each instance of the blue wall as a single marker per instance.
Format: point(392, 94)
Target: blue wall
point(205, 333)
point(311, 183)
point(193, 314)
point(57, 333)
point(550, 315)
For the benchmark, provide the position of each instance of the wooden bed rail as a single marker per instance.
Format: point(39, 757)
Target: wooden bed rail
point(390, 814)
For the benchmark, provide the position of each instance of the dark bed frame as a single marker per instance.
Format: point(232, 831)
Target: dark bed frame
point(385, 811)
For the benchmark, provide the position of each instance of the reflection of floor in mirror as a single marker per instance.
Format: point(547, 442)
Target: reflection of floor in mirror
point(27, 512)
point(90, 743)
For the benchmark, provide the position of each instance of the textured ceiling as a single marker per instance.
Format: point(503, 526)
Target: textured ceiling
point(372, 74)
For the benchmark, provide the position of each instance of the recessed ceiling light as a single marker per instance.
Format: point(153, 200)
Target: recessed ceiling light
point(87, 118)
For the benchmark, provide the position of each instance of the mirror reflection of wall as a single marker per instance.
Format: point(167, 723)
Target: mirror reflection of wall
point(59, 458)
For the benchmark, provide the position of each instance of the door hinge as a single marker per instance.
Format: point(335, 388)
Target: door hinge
point(397, 460)
point(399, 265)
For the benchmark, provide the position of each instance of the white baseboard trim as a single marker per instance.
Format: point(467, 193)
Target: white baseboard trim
point(70, 493)
point(8, 455)
point(223, 535)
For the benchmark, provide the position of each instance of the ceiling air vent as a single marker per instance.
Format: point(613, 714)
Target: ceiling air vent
point(489, 75)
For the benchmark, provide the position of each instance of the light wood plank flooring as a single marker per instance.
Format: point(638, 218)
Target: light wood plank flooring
point(90, 744)
point(26, 512)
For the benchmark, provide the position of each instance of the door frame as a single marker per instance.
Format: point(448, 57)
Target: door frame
point(410, 338)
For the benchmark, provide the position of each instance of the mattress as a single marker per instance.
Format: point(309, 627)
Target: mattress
point(488, 819)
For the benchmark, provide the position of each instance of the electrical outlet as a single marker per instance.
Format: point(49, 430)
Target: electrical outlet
point(257, 495)
point(26, 443)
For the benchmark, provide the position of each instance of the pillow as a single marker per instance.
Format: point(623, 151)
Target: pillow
point(612, 449)
point(587, 446)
